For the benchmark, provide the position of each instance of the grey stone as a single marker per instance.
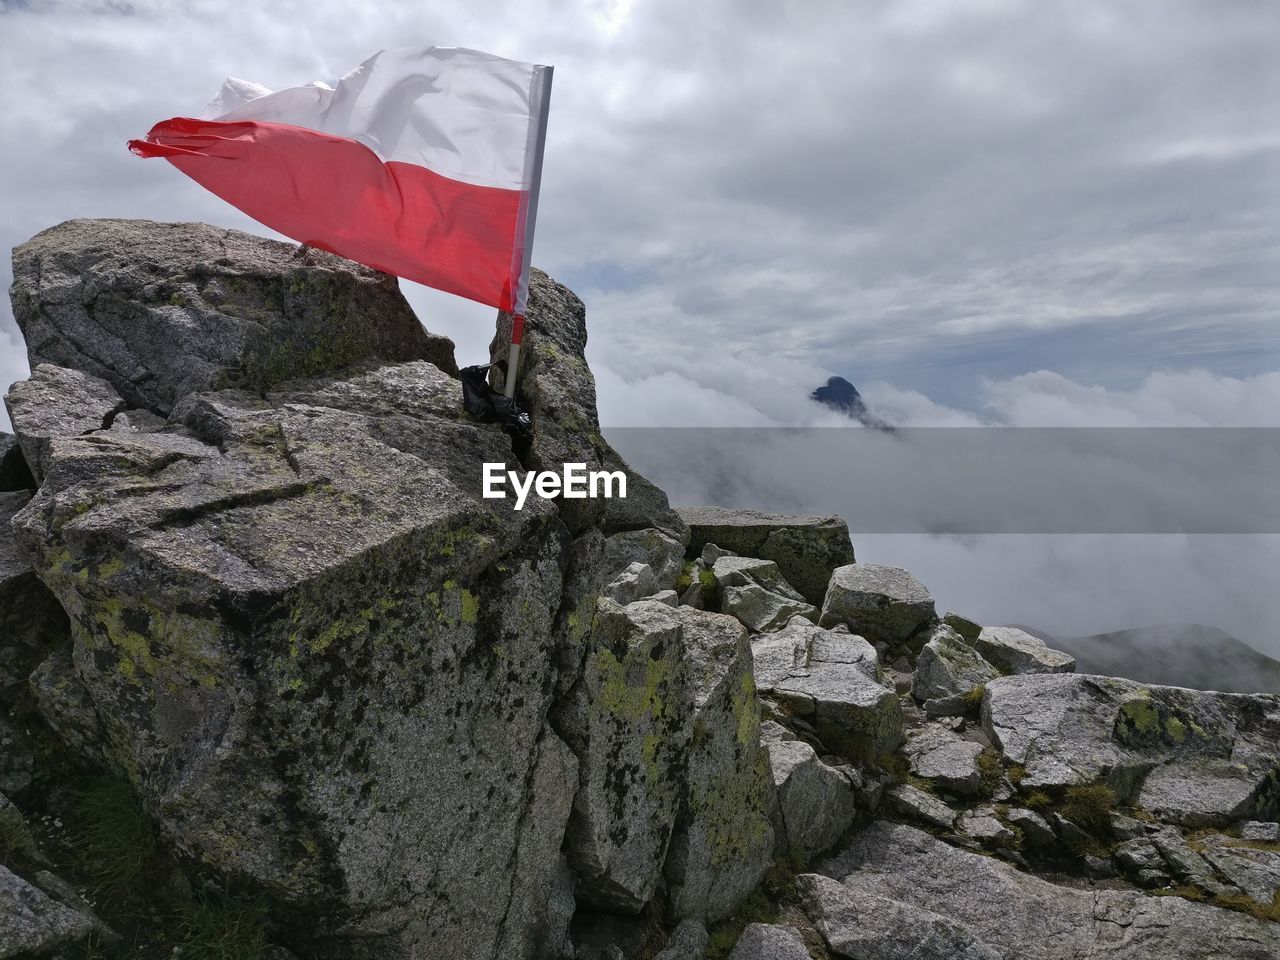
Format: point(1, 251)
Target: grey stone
point(966, 628)
point(1255, 830)
point(1068, 831)
point(163, 310)
point(946, 670)
point(55, 404)
point(16, 760)
point(65, 704)
point(297, 591)
point(668, 597)
point(863, 926)
point(1036, 832)
point(950, 761)
point(806, 549)
point(1011, 650)
point(16, 840)
point(687, 942)
point(1023, 916)
point(629, 720)
point(830, 680)
point(710, 552)
point(769, 941)
point(1137, 855)
point(33, 923)
point(983, 825)
point(1185, 863)
point(723, 843)
point(877, 602)
point(559, 392)
point(1186, 756)
point(636, 581)
point(1126, 828)
point(816, 802)
point(755, 592)
point(912, 802)
point(661, 553)
point(1256, 872)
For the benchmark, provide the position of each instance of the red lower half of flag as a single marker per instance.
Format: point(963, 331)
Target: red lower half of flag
point(336, 194)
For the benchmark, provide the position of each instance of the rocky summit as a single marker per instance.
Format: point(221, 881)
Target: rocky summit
point(277, 680)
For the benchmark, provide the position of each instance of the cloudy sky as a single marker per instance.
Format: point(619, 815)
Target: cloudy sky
point(1029, 213)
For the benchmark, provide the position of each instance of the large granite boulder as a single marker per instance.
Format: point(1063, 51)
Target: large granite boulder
point(816, 802)
point(883, 604)
point(769, 941)
point(988, 904)
point(56, 403)
point(806, 549)
point(32, 923)
point(947, 671)
point(559, 391)
point(831, 680)
point(628, 719)
point(756, 593)
point(724, 840)
point(322, 657)
point(1184, 755)
point(161, 310)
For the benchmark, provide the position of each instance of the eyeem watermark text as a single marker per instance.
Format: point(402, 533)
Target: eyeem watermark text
point(575, 482)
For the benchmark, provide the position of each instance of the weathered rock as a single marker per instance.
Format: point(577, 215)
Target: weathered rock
point(629, 720)
point(16, 761)
point(948, 760)
point(755, 592)
point(14, 472)
point(806, 549)
point(668, 597)
point(1022, 916)
point(862, 926)
point(912, 802)
point(1139, 855)
point(163, 310)
point(948, 669)
point(816, 803)
point(966, 628)
point(1185, 863)
point(1011, 650)
point(1185, 755)
point(1255, 830)
point(877, 602)
point(663, 554)
point(32, 923)
point(687, 942)
point(16, 840)
point(769, 941)
point(983, 825)
point(1036, 832)
point(830, 680)
point(1255, 871)
point(58, 403)
point(66, 706)
point(560, 393)
point(724, 841)
point(636, 581)
point(298, 591)
point(1126, 828)
point(32, 623)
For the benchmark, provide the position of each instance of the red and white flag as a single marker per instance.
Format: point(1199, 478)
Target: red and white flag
point(423, 162)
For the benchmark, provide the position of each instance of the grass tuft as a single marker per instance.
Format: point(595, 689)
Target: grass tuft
point(114, 840)
point(1037, 800)
point(973, 699)
point(1089, 806)
point(222, 928)
point(990, 771)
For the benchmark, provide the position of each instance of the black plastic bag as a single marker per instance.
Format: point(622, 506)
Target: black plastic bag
point(480, 400)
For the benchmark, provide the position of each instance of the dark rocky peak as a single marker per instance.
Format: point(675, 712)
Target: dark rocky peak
point(842, 396)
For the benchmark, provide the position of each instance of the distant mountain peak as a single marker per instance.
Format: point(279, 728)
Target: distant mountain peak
point(842, 396)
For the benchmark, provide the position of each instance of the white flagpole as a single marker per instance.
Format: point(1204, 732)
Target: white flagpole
point(543, 106)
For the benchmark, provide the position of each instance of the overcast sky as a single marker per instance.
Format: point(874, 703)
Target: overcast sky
point(990, 211)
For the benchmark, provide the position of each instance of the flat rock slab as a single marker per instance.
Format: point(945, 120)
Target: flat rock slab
point(913, 802)
point(806, 549)
point(1011, 650)
point(1021, 917)
point(1187, 756)
point(883, 604)
point(949, 760)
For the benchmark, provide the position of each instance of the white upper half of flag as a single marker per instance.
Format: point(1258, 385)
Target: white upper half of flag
point(466, 115)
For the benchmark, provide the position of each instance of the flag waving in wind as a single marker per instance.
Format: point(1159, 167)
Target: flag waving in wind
point(423, 162)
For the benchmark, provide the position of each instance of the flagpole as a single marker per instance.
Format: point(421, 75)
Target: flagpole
point(531, 217)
